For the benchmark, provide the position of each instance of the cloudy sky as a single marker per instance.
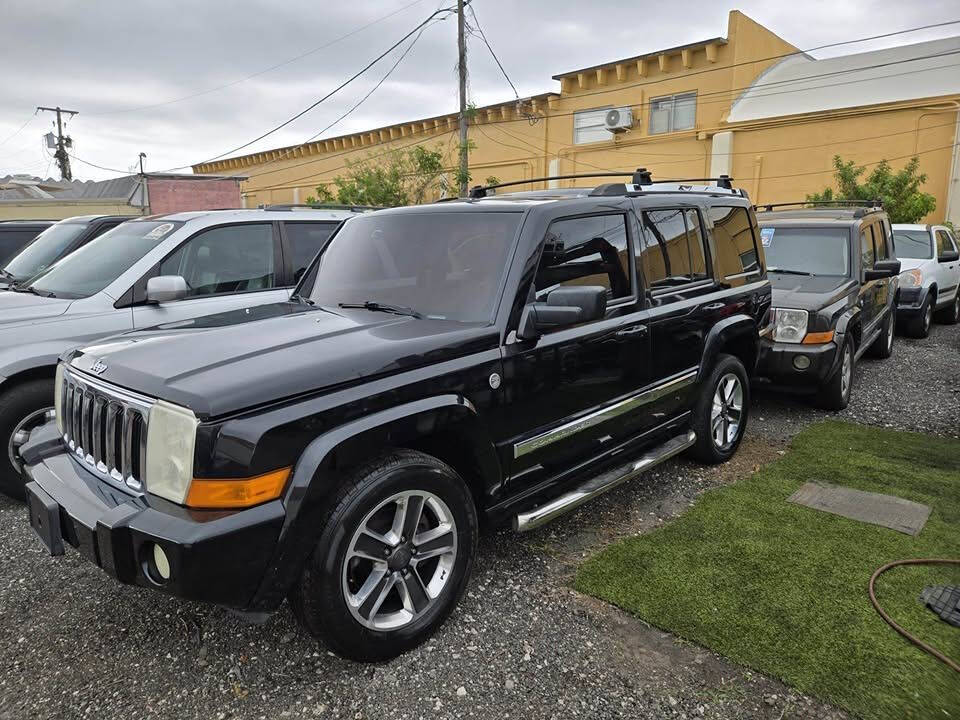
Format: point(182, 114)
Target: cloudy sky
point(187, 80)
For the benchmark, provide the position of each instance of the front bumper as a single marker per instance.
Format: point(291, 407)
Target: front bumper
point(777, 364)
point(219, 557)
point(910, 301)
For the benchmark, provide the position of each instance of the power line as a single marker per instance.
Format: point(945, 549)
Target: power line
point(328, 95)
point(623, 86)
point(503, 122)
point(483, 37)
point(259, 72)
point(19, 129)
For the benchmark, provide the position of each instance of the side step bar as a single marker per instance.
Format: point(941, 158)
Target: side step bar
point(600, 484)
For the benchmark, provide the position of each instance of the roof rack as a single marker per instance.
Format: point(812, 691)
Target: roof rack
point(319, 206)
point(640, 178)
point(866, 204)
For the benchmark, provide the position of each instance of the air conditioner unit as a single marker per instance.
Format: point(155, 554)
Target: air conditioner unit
point(618, 120)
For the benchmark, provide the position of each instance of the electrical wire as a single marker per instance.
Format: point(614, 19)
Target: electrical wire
point(952, 664)
point(708, 102)
point(332, 92)
point(19, 129)
point(492, 53)
point(259, 72)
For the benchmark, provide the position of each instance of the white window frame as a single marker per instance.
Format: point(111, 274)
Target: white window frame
point(581, 115)
point(672, 117)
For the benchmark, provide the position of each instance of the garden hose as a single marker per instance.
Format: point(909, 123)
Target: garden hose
point(890, 621)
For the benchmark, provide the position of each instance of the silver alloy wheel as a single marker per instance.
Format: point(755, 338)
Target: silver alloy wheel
point(890, 335)
point(727, 412)
point(399, 560)
point(846, 371)
point(21, 433)
point(928, 317)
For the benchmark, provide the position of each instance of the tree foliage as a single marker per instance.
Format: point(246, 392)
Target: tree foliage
point(899, 191)
point(404, 177)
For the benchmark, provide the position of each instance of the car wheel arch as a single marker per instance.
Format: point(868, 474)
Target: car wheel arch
point(409, 426)
point(735, 335)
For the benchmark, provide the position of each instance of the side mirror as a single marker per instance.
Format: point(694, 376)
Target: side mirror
point(166, 288)
point(949, 256)
point(565, 306)
point(883, 269)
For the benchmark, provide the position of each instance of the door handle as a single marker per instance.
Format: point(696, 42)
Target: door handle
point(713, 307)
point(632, 331)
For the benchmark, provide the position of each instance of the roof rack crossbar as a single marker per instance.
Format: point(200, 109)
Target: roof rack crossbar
point(319, 206)
point(768, 207)
point(641, 177)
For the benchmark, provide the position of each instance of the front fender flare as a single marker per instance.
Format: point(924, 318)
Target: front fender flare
point(736, 328)
point(313, 481)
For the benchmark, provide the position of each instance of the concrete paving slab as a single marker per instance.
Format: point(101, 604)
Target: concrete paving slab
point(875, 508)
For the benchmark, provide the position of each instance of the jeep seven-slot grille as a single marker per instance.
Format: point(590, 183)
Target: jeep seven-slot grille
point(106, 428)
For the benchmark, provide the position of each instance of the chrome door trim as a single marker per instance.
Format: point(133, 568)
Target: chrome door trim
point(620, 407)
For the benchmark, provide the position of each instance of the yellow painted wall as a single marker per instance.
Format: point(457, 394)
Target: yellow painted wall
point(58, 210)
point(781, 159)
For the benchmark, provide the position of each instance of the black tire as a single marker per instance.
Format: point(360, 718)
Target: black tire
point(950, 314)
point(707, 449)
point(919, 326)
point(882, 347)
point(833, 395)
point(18, 404)
point(319, 598)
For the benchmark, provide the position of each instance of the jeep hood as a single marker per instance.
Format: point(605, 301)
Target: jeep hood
point(19, 307)
point(232, 361)
point(808, 293)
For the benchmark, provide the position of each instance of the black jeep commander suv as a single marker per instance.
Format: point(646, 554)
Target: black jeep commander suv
point(497, 359)
point(834, 277)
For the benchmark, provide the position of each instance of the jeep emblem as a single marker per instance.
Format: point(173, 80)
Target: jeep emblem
point(98, 367)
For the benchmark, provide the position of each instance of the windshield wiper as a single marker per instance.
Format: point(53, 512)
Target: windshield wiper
point(788, 272)
point(7, 274)
point(31, 289)
point(382, 307)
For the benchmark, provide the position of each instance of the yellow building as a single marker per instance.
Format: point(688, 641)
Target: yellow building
point(750, 105)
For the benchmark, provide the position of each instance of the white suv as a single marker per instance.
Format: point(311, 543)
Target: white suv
point(147, 271)
point(929, 278)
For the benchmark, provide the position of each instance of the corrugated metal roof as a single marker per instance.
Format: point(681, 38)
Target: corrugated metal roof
point(800, 84)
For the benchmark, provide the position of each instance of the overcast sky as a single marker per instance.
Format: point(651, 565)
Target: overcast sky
point(110, 58)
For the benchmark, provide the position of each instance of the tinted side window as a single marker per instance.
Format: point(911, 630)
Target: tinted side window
point(586, 251)
point(866, 247)
point(943, 242)
point(880, 241)
point(305, 240)
point(673, 252)
point(736, 244)
point(237, 258)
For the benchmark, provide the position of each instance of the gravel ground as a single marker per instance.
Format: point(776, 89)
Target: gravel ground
point(73, 644)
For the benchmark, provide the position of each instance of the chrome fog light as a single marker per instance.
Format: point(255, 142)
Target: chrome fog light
point(801, 362)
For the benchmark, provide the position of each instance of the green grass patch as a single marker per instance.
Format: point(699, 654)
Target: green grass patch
point(783, 588)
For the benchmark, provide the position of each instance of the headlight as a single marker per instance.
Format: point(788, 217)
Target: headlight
point(171, 434)
point(58, 397)
point(789, 326)
point(911, 278)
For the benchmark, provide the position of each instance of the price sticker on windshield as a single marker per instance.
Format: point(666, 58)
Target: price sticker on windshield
point(766, 236)
point(159, 231)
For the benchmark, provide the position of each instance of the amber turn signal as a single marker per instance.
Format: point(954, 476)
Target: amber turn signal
point(818, 338)
point(215, 493)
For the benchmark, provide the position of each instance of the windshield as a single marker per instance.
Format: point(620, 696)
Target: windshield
point(44, 250)
point(101, 261)
point(445, 265)
point(913, 244)
point(807, 250)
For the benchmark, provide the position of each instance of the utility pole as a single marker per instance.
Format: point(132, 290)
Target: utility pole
point(61, 156)
point(462, 71)
point(142, 156)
